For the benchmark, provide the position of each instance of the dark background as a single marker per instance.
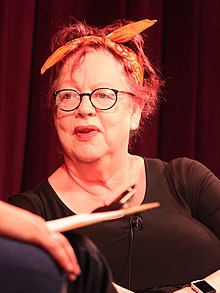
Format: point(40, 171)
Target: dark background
point(184, 45)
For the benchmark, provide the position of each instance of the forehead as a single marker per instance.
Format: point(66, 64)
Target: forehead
point(92, 65)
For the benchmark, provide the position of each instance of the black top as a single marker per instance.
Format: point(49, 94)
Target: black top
point(161, 248)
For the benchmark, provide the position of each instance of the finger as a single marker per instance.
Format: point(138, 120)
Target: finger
point(65, 255)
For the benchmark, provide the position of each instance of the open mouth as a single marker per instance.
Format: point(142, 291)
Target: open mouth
point(83, 129)
point(86, 131)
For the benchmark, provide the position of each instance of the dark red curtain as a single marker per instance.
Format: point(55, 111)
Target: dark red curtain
point(184, 45)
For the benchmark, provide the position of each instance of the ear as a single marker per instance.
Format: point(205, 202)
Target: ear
point(135, 117)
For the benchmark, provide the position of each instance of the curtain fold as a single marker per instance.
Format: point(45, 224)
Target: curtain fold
point(16, 31)
point(184, 45)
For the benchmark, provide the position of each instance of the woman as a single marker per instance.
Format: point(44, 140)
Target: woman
point(103, 86)
point(24, 267)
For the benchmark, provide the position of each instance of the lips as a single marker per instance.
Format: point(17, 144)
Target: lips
point(85, 132)
point(85, 129)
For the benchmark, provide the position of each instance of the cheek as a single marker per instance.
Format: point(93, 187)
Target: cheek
point(63, 122)
point(117, 126)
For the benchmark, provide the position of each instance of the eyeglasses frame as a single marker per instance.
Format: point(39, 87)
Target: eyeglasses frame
point(90, 97)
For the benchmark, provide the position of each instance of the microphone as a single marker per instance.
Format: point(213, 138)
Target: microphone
point(136, 223)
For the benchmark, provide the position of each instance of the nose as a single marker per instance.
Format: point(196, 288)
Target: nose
point(85, 107)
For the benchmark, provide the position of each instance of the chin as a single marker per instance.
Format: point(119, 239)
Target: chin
point(88, 159)
point(88, 156)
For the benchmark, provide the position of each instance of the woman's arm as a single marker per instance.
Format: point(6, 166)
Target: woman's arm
point(200, 189)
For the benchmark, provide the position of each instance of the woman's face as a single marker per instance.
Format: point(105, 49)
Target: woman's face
point(88, 134)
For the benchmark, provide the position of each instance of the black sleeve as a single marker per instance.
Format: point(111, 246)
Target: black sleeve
point(206, 187)
point(28, 201)
point(200, 188)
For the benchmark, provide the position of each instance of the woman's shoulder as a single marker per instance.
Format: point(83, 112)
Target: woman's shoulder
point(37, 200)
point(189, 169)
point(31, 199)
point(178, 160)
point(180, 164)
point(182, 171)
point(35, 193)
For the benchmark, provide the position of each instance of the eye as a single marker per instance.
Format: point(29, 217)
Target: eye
point(104, 94)
point(66, 96)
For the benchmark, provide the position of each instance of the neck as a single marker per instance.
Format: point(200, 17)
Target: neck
point(104, 174)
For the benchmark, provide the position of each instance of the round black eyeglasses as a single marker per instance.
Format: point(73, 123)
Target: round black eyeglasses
point(102, 98)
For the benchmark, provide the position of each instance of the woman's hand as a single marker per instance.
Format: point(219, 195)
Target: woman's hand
point(22, 225)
